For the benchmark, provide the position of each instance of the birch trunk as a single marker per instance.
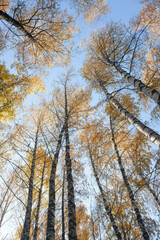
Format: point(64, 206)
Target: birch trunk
point(151, 134)
point(27, 222)
point(146, 183)
point(149, 92)
point(63, 216)
point(129, 190)
point(150, 189)
point(39, 202)
point(93, 234)
point(71, 197)
point(106, 206)
point(51, 206)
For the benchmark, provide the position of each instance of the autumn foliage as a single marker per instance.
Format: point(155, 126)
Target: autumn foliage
point(83, 161)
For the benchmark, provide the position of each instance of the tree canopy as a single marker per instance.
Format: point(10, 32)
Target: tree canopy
point(79, 121)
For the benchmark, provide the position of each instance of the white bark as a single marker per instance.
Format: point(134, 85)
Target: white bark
point(151, 134)
point(150, 92)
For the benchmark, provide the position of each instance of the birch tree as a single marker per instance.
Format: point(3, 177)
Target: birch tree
point(118, 48)
point(27, 222)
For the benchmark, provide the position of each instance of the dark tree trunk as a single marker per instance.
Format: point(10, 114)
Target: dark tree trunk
point(15, 23)
point(71, 197)
point(63, 214)
point(93, 233)
point(129, 190)
point(10, 85)
point(106, 206)
point(51, 206)
point(149, 92)
point(27, 222)
point(39, 202)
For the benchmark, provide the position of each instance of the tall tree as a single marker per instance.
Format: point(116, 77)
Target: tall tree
point(130, 192)
point(51, 206)
point(27, 223)
point(71, 195)
point(63, 213)
point(42, 31)
point(41, 28)
point(106, 205)
point(39, 198)
point(118, 48)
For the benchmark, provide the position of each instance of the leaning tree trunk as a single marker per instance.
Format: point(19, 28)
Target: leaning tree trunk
point(15, 23)
point(129, 190)
point(39, 202)
point(106, 206)
point(149, 92)
point(27, 222)
point(151, 134)
point(51, 205)
point(71, 197)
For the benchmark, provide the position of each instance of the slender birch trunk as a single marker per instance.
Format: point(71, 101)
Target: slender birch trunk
point(6, 198)
point(27, 222)
point(146, 183)
point(39, 202)
point(129, 190)
point(15, 23)
point(71, 197)
point(149, 92)
point(51, 205)
point(63, 214)
point(150, 189)
point(151, 134)
point(106, 206)
point(93, 234)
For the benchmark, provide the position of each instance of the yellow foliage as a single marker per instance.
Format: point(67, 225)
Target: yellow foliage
point(4, 5)
point(150, 17)
point(13, 90)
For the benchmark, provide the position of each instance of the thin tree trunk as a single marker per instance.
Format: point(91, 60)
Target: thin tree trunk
point(10, 85)
point(15, 23)
point(93, 233)
point(6, 199)
point(63, 214)
point(149, 92)
point(146, 183)
point(71, 197)
point(51, 205)
point(106, 206)
point(150, 189)
point(39, 202)
point(27, 222)
point(129, 190)
point(151, 134)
